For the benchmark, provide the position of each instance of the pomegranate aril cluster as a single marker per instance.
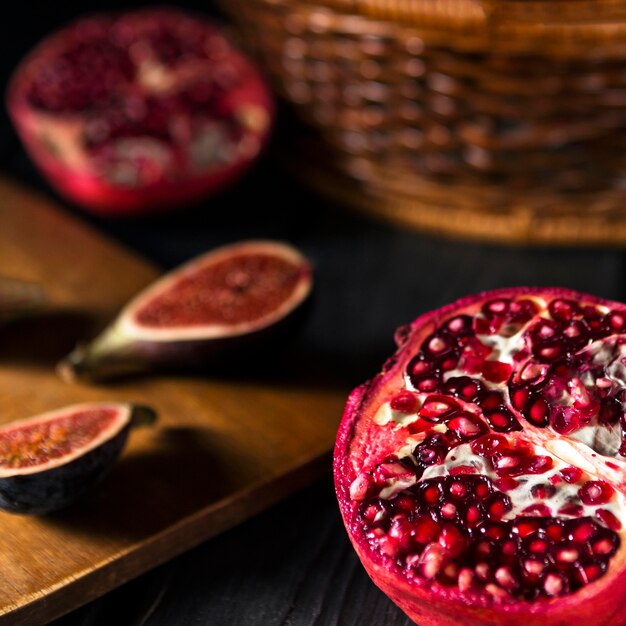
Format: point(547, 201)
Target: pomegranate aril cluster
point(450, 529)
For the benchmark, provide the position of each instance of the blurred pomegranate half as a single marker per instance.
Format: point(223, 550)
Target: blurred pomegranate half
point(143, 110)
point(481, 475)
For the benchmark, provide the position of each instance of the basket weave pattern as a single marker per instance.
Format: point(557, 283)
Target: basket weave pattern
point(434, 115)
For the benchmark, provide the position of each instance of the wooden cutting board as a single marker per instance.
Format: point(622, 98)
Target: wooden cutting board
point(223, 449)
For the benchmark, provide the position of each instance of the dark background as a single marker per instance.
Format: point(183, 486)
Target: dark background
point(293, 565)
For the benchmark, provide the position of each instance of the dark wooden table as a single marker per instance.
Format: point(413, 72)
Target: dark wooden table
point(293, 565)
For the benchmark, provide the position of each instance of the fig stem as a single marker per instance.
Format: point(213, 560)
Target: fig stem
point(109, 355)
point(142, 415)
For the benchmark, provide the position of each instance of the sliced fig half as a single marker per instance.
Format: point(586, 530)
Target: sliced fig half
point(50, 460)
point(18, 298)
point(211, 308)
point(481, 475)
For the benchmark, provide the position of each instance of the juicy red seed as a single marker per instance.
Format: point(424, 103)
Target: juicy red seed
point(482, 489)
point(571, 474)
point(589, 572)
point(489, 445)
point(539, 464)
point(538, 413)
point(460, 324)
point(438, 408)
point(596, 492)
point(467, 426)
point(525, 526)
point(491, 400)
point(469, 391)
point(437, 345)
point(503, 420)
point(534, 373)
point(537, 545)
point(564, 310)
point(555, 584)
point(519, 398)
point(616, 321)
point(566, 420)
point(452, 540)
point(583, 530)
point(495, 530)
point(428, 384)
point(498, 307)
point(608, 519)
point(554, 531)
point(431, 494)
point(506, 483)
point(458, 489)
point(473, 515)
point(419, 368)
point(550, 351)
point(425, 530)
point(544, 330)
point(539, 509)
point(496, 371)
point(404, 402)
point(572, 509)
point(498, 505)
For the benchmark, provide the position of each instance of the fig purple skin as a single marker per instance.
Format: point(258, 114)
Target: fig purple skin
point(42, 485)
point(212, 310)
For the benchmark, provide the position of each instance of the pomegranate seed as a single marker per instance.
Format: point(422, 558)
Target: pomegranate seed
point(404, 402)
point(605, 546)
point(482, 326)
point(534, 373)
point(555, 479)
point(489, 445)
point(566, 420)
point(448, 510)
point(539, 464)
point(458, 489)
point(400, 530)
point(571, 474)
point(503, 420)
point(496, 371)
point(540, 510)
point(538, 546)
point(550, 352)
point(491, 400)
point(538, 413)
point(509, 548)
point(608, 519)
point(469, 391)
point(616, 321)
point(459, 324)
point(589, 572)
point(428, 384)
point(483, 571)
point(437, 408)
point(534, 566)
point(418, 368)
point(555, 584)
point(567, 555)
point(451, 540)
point(596, 492)
point(467, 426)
point(498, 505)
point(519, 398)
point(505, 578)
point(425, 530)
point(431, 561)
point(437, 345)
point(574, 510)
point(482, 489)
point(583, 531)
point(524, 526)
point(554, 530)
point(431, 494)
point(460, 470)
point(506, 483)
point(564, 310)
point(466, 579)
point(497, 593)
point(473, 515)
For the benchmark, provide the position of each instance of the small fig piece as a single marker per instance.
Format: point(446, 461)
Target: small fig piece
point(210, 308)
point(50, 460)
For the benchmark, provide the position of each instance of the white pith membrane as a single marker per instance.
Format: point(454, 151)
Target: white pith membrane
point(122, 414)
point(539, 494)
point(127, 325)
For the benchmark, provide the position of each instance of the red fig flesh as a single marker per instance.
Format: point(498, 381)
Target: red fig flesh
point(481, 475)
point(219, 303)
point(142, 110)
point(50, 460)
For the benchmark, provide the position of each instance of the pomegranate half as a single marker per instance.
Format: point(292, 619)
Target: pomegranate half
point(481, 474)
point(142, 110)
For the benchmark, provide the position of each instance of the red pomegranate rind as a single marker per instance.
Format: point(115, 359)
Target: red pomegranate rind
point(142, 110)
point(528, 519)
point(239, 289)
point(25, 446)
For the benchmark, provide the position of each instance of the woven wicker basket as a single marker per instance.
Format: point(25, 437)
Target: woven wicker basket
point(504, 121)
